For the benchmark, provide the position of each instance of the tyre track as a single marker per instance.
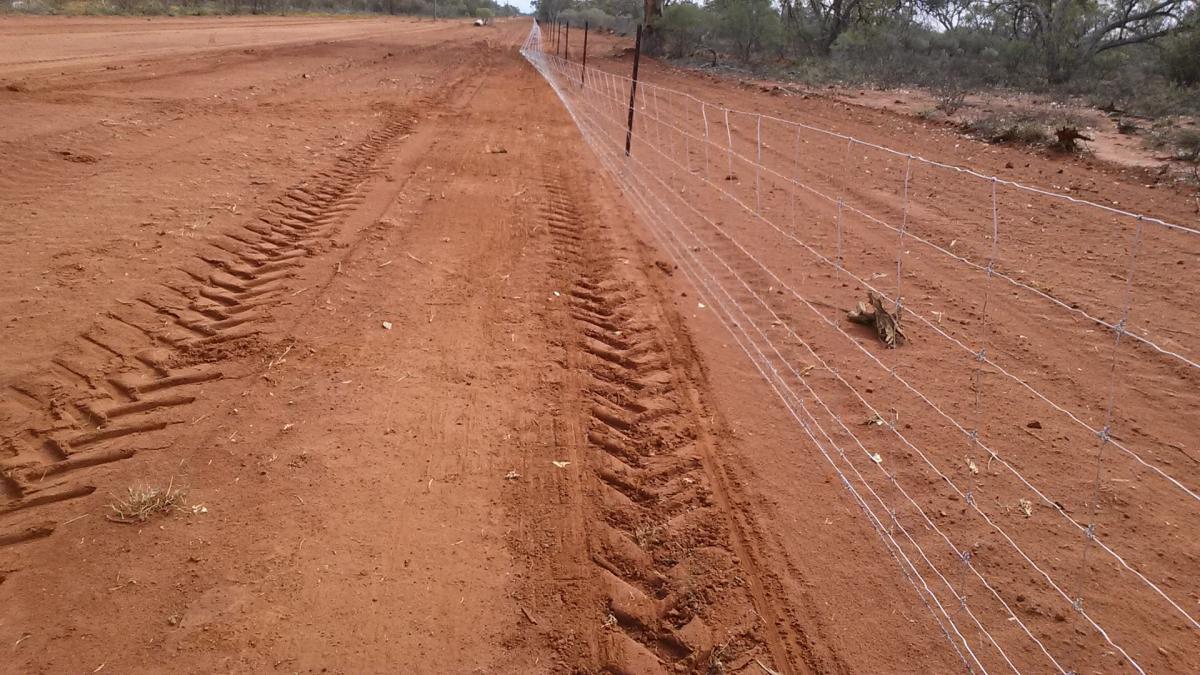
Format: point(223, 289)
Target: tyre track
point(139, 365)
point(677, 594)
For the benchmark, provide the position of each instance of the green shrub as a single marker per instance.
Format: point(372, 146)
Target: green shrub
point(1186, 144)
point(683, 26)
point(1181, 57)
point(751, 27)
point(1008, 129)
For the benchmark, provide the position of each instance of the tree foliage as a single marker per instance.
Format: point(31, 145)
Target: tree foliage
point(982, 41)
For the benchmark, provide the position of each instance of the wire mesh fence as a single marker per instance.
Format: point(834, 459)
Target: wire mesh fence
point(1028, 454)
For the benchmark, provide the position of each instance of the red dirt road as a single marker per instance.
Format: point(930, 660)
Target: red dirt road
point(437, 399)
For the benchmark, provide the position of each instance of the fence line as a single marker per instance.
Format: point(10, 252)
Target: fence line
point(703, 279)
point(956, 550)
point(1119, 328)
point(970, 434)
point(582, 105)
point(791, 403)
point(1189, 361)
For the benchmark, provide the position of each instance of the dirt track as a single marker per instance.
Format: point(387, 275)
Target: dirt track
point(438, 402)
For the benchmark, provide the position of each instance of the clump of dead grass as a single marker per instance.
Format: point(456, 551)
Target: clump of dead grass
point(142, 502)
point(1008, 129)
point(1029, 127)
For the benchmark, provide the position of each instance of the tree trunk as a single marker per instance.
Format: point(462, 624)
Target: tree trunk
point(830, 30)
point(652, 39)
point(1059, 64)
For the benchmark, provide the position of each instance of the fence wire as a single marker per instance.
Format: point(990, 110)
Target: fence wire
point(1059, 557)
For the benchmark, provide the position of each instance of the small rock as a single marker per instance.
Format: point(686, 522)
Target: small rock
point(1034, 424)
point(697, 637)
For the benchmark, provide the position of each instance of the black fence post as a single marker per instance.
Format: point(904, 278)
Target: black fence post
point(567, 41)
point(637, 56)
point(583, 70)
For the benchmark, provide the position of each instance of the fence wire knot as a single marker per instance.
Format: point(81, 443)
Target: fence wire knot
point(1090, 534)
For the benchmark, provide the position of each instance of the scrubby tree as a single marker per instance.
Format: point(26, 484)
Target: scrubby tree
point(682, 27)
point(1071, 33)
point(751, 27)
point(949, 14)
point(1181, 51)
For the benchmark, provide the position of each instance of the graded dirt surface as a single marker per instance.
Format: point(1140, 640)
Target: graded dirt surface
point(437, 400)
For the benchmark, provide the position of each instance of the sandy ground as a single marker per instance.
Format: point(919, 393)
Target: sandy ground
point(438, 402)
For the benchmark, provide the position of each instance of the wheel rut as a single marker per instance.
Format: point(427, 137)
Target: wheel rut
point(676, 594)
point(138, 367)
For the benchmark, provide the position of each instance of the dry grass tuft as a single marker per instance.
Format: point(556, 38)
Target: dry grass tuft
point(140, 503)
